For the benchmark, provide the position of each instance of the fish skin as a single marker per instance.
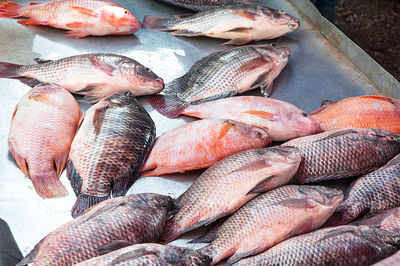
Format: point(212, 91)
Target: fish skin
point(136, 218)
point(342, 153)
point(223, 74)
point(229, 184)
point(388, 220)
point(271, 218)
point(370, 194)
point(93, 75)
point(282, 120)
point(238, 23)
point(109, 149)
point(81, 17)
point(341, 245)
point(43, 126)
point(150, 254)
point(200, 5)
point(367, 111)
point(200, 144)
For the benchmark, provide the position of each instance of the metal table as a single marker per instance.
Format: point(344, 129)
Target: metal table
point(324, 64)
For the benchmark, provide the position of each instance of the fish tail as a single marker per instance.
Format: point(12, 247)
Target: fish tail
point(170, 106)
point(155, 23)
point(84, 202)
point(48, 186)
point(171, 232)
point(9, 9)
point(9, 70)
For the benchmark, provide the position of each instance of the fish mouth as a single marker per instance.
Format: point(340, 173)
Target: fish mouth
point(294, 24)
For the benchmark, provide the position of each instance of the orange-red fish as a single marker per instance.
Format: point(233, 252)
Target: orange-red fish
point(80, 17)
point(369, 111)
point(42, 128)
point(200, 144)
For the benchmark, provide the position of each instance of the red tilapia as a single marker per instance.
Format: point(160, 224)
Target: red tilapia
point(229, 184)
point(42, 128)
point(200, 144)
point(283, 121)
point(133, 219)
point(80, 17)
point(92, 75)
point(271, 218)
point(109, 149)
point(342, 153)
point(369, 111)
point(150, 254)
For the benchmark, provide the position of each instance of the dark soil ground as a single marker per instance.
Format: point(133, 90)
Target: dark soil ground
point(375, 26)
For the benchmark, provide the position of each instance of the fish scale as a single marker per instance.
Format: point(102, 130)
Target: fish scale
point(371, 194)
point(109, 149)
point(271, 218)
point(343, 153)
point(134, 218)
point(229, 184)
point(354, 245)
point(198, 5)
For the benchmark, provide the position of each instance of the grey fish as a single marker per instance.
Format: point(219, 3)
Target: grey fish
point(238, 23)
point(223, 74)
point(150, 254)
point(343, 153)
point(271, 218)
point(342, 245)
point(370, 194)
point(109, 149)
point(198, 5)
point(92, 75)
point(132, 219)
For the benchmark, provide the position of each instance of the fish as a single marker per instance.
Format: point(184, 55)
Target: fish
point(80, 17)
point(109, 149)
point(340, 245)
point(223, 74)
point(271, 218)
point(43, 125)
point(116, 222)
point(367, 111)
point(390, 261)
point(93, 75)
point(342, 153)
point(282, 120)
point(388, 220)
point(229, 184)
point(150, 254)
point(200, 144)
point(200, 5)
point(370, 194)
point(239, 24)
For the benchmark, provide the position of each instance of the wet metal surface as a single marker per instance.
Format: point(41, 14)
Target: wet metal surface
point(316, 71)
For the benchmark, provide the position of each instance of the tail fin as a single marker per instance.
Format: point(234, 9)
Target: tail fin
point(168, 105)
point(155, 23)
point(9, 9)
point(84, 202)
point(9, 70)
point(48, 186)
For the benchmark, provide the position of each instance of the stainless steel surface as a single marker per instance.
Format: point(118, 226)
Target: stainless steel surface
point(316, 71)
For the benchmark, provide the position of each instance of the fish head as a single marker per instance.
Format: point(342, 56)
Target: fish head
point(279, 19)
point(252, 131)
point(281, 154)
point(379, 135)
point(196, 258)
point(300, 123)
point(119, 18)
point(277, 55)
point(321, 195)
point(152, 200)
point(143, 80)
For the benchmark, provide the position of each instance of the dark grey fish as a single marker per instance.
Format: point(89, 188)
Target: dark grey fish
point(370, 194)
point(342, 153)
point(109, 149)
point(198, 5)
point(138, 218)
point(223, 74)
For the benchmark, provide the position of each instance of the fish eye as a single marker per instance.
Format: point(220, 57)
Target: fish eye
point(126, 11)
point(273, 45)
point(304, 114)
point(146, 69)
point(195, 261)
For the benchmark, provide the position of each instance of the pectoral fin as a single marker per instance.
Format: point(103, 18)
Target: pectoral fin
point(266, 88)
point(114, 245)
point(262, 114)
point(103, 66)
point(237, 42)
point(262, 186)
point(85, 11)
point(240, 29)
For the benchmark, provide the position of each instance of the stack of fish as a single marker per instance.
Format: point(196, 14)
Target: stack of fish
point(264, 214)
